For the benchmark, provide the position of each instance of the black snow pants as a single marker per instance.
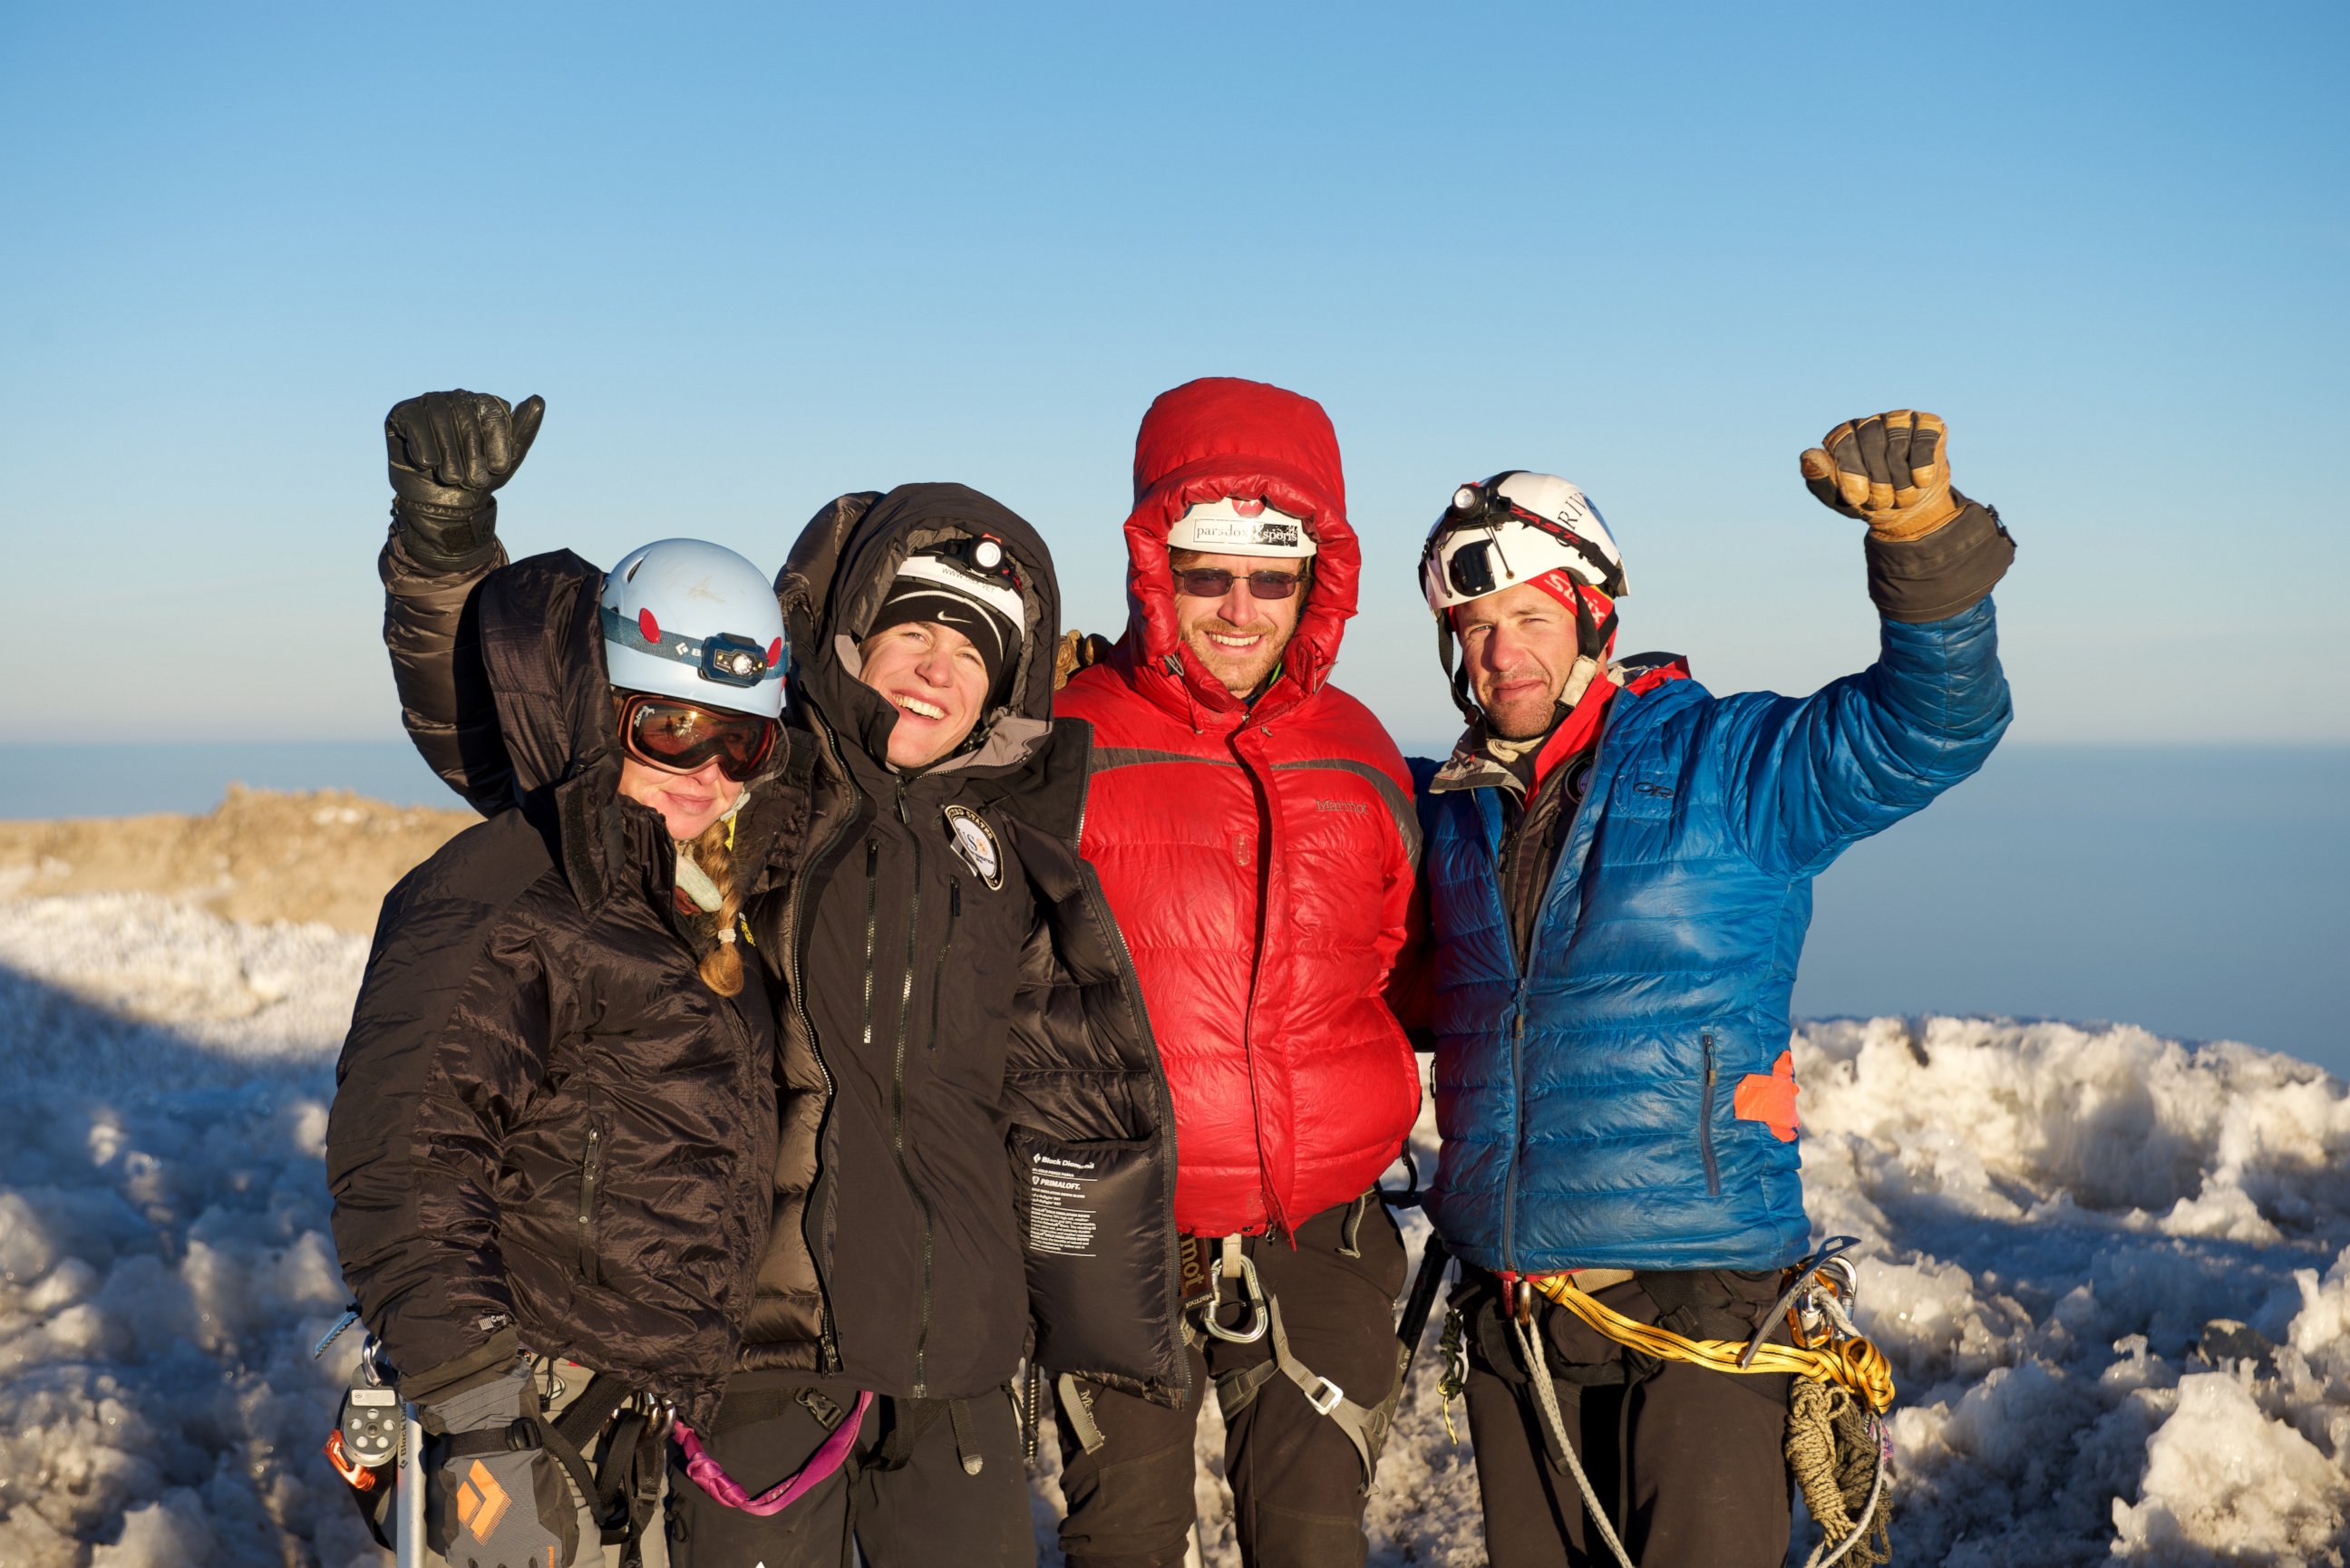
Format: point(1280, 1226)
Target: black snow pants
point(1297, 1483)
point(1688, 1462)
point(926, 1485)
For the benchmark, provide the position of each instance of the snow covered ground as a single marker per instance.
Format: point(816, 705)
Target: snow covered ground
point(2056, 1216)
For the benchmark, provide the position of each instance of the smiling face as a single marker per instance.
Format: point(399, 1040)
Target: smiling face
point(688, 801)
point(935, 678)
point(1238, 637)
point(1519, 646)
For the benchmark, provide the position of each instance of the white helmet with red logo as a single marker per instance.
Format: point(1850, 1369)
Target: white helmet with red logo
point(1512, 529)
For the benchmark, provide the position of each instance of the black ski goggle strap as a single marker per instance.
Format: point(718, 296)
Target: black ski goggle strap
point(725, 659)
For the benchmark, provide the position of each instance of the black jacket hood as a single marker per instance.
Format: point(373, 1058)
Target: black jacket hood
point(839, 571)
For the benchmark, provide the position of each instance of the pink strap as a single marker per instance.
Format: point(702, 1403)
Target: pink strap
point(712, 1476)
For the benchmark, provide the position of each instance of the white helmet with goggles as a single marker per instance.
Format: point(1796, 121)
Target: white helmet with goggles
point(1241, 525)
point(694, 621)
point(1516, 528)
point(1512, 529)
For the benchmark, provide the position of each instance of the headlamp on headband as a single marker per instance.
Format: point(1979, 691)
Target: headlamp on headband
point(981, 556)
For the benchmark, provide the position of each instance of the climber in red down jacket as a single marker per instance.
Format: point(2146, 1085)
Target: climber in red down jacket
point(1252, 827)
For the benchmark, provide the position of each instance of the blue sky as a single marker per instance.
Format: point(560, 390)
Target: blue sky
point(754, 257)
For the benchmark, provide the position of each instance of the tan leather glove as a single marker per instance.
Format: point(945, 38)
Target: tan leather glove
point(1077, 650)
point(1892, 470)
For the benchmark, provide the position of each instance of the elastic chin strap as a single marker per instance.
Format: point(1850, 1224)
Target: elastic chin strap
point(1457, 680)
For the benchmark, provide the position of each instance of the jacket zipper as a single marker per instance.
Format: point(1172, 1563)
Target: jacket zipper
point(829, 1339)
point(939, 970)
point(898, 1075)
point(1261, 798)
point(1518, 1143)
point(591, 1173)
point(1705, 1124)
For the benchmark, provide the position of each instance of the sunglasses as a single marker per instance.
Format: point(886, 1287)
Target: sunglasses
point(682, 738)
point(1214, 582)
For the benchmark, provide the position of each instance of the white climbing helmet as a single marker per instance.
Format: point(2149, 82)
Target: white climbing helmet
point(693, 620)
point(1512, 529)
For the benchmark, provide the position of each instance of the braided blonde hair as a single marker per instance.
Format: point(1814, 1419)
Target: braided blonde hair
point(722, 969)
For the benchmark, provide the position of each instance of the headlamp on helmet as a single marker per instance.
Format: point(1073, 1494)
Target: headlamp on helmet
point(693, 620)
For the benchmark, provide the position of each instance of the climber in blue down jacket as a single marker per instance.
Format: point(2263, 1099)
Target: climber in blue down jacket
point(1618, 876)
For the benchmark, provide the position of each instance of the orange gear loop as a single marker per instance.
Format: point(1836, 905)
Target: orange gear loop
point(1854, 1363)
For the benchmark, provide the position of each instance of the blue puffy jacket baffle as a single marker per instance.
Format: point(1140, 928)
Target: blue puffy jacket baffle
point(1621, 1101)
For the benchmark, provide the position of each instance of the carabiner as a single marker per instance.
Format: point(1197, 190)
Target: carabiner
point(1252, 1293)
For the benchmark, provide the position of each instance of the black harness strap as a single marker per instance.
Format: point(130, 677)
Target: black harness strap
point(911, 1419)
point(753, 1406)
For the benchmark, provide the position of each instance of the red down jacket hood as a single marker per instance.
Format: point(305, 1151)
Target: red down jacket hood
point(1259, 857)
point(1222, 436)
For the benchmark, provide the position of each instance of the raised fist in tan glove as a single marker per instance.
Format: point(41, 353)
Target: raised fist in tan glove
point(1892, 470)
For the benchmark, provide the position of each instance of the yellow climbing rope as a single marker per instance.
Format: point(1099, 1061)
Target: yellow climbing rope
point(1851, 1363)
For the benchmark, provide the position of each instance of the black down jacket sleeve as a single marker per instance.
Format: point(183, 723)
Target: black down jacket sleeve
point(430, 628)
point(448, 1040)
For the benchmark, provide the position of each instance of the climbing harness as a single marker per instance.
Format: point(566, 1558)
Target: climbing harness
point(1364, 1427)
point(1847, 1360)
point(1843, 1387)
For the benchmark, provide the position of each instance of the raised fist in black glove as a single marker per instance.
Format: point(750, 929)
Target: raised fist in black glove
point(493, 1498)
point(450, 452)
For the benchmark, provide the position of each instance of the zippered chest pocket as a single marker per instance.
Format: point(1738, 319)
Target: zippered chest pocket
point(946, 951)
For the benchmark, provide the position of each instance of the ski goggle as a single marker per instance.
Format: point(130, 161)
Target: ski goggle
point(1214, 582)
point(682, 737)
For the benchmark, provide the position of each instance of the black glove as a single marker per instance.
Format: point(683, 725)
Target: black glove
point(494, 1498)
point(449, 452)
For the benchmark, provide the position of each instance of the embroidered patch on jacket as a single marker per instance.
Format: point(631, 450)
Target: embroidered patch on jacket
point(976, 845)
